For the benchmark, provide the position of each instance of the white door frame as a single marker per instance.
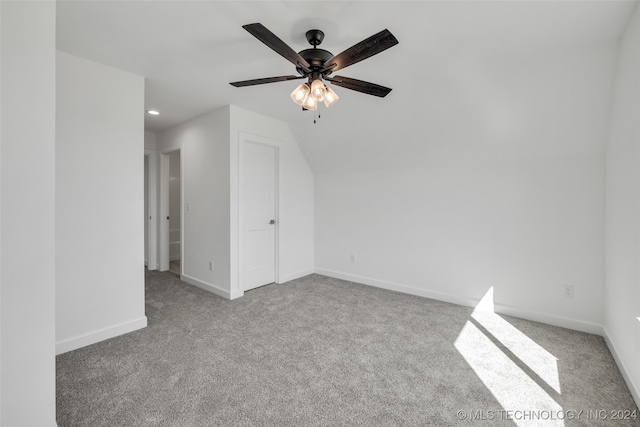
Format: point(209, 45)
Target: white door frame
point(254, 139)
point(152, 220)
point(163, 241)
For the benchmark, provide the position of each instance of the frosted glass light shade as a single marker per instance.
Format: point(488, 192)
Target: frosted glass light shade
point(300, 94)
point(330, 97)
point(310, 103)
point(318, 90)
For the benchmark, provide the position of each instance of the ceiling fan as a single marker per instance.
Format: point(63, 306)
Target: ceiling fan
point(316, 65)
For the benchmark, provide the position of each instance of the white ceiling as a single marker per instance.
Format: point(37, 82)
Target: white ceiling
point(189, 51)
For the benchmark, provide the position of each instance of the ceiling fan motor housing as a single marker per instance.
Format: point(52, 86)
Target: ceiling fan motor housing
point(315, 57)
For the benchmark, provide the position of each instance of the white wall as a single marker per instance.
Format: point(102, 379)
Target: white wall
point(295, 196)
point(99, 201)
point(204, 149)
point(149, 140)
point(27, 176)
point(514, 201)
point(622, 291)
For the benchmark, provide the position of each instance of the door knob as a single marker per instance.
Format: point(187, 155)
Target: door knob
point(273, 221)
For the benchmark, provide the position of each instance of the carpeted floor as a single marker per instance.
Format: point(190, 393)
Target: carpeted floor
point(321, 351)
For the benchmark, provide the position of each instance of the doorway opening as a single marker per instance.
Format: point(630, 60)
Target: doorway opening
point(146, 211)
point(175, 232)
point(150, 211)
point(171, 224)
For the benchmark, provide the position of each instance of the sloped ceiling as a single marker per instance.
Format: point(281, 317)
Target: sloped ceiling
point(190, 51)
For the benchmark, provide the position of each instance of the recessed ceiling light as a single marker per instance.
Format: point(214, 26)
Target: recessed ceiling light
point(153, 112)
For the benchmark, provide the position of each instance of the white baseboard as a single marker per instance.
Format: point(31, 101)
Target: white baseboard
point(440, 296)
point(550, 319)
point(293, 276)
point(633, 387)
point(578, 325)
point(100, 335)
point(236, 294)
point(206, 286)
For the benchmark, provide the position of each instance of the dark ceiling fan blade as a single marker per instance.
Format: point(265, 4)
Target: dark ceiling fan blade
point(360, 86)
point(363, 50)
point(260, 32)
point(265, 80)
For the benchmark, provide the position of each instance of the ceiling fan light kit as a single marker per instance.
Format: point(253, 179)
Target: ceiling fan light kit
point(330, 97)
point(310, 103)
point(317, 64)
point(318, 90)
point(300, 94)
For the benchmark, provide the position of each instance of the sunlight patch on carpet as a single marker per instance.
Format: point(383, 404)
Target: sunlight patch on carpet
point(520, 374)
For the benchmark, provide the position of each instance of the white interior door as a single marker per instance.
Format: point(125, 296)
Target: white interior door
point(258, 186)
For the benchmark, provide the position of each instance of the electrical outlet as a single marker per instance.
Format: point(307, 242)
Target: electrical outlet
point(188, 206)
point(568, 291)
point(353, 258)
point(211, 265)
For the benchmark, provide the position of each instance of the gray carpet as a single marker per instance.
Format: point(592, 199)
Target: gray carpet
point(320, 351)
